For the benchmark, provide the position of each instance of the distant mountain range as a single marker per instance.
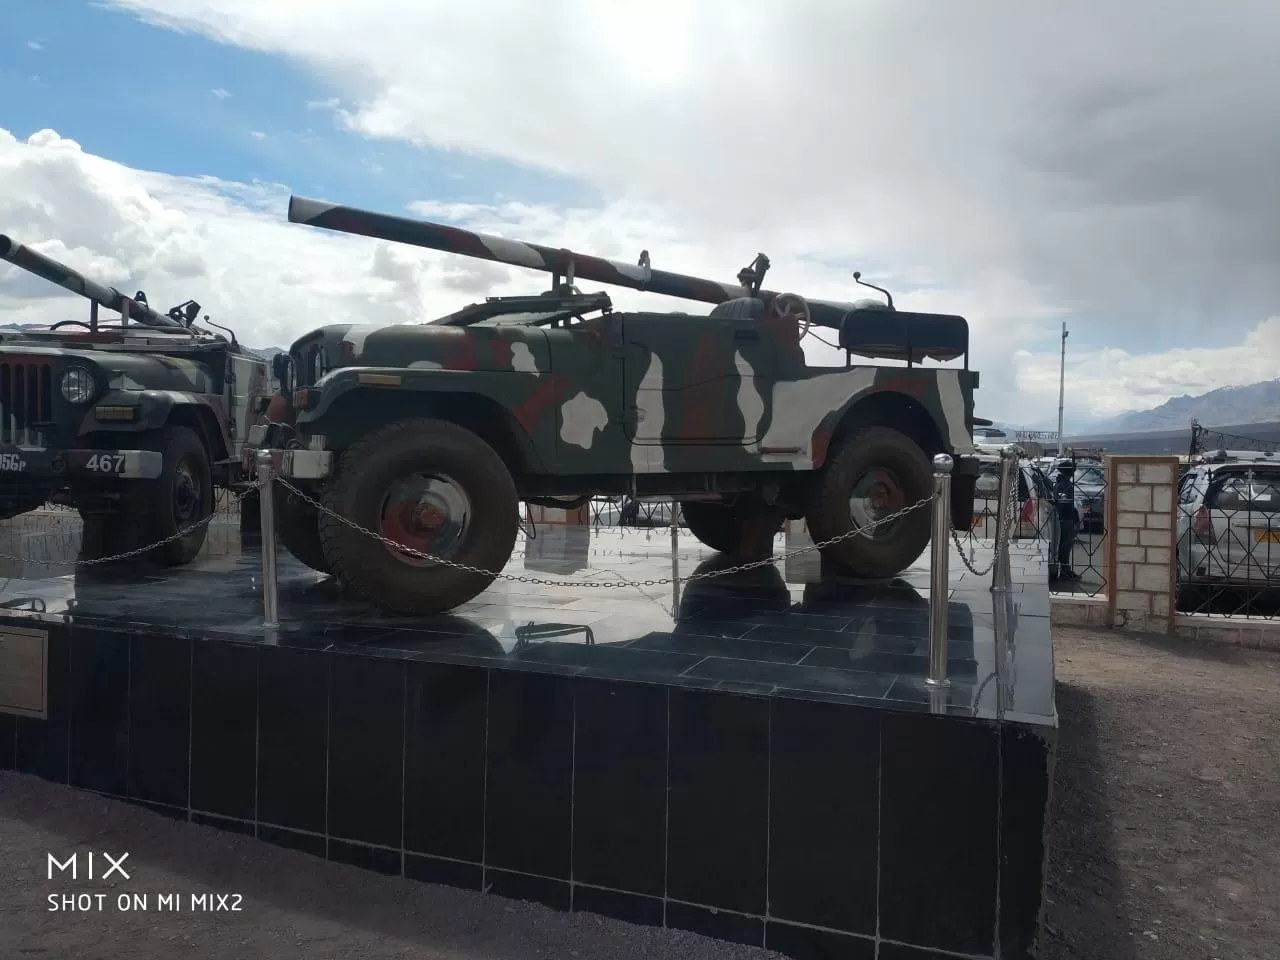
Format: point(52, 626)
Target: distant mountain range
point(1255, 403)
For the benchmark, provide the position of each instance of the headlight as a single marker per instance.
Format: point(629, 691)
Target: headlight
point(77, 385)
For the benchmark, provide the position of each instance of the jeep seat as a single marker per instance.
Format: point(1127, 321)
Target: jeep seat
point(739, 308)
point(882, 334)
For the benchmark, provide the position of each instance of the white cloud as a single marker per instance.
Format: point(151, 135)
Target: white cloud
point(1002, 141)
point(1104, 383)
point(220, 93)
point(229, 246)
point(34, 45)
point(257, 134)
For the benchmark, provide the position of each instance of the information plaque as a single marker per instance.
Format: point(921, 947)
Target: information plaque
point(24, 674)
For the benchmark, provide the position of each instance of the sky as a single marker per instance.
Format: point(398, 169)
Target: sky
point(1107, 165)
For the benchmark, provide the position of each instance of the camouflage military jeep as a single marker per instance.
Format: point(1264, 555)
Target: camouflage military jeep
point(431, 435)
point(134, 422)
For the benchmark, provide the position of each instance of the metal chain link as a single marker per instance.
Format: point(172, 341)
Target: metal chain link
point(1011, 518)
point(541, 581)
point(139, 551)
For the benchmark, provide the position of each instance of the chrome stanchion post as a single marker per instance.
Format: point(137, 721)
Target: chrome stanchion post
point(675, 558)
point(270, 597)
point(1004, 522)
point(939, 577)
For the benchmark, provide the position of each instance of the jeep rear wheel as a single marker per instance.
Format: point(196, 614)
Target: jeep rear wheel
point(433, 487)
point(745, 528)
point(876, 472)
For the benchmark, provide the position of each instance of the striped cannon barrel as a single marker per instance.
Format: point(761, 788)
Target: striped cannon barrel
point(567, 263)
point(59, 273)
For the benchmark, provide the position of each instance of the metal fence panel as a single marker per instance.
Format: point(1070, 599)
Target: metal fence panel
point(1228, 538)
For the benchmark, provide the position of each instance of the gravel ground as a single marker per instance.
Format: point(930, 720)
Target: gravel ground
point(293, 906)
point(1165, 845)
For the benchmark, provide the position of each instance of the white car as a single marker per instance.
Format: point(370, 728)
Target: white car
point(1228, 530)
point(1037, 517)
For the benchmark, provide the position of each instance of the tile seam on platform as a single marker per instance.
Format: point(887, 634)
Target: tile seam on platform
point(328, 746)
point(257, 737)
point(938, 950)
point(404, 753)
point(573, 778)
point(666, 813)
point(191, 710)
point(879, 817)
point(484, 790)
point(768, 803)
point(128, 711)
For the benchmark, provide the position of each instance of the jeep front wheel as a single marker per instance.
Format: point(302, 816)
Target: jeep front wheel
point(433, 487)
point(298, 529)
point(181, 498)
point(875, 472)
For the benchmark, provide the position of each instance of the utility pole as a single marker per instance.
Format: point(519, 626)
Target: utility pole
point(1062, 382)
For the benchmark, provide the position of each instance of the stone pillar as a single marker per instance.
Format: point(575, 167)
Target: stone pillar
point(1141, 541)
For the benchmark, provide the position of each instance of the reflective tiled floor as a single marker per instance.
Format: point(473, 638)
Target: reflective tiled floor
point(790, 629)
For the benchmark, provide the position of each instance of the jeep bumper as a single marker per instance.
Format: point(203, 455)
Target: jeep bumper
point(294, 464)
point(25, 462)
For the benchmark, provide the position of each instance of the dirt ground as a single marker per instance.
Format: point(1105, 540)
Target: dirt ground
point(1166, 836)
point(1165, 845)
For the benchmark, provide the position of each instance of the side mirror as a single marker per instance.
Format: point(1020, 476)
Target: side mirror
point(280, 367)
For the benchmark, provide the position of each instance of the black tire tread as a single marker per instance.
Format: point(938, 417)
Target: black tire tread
point(827, 515)
point(499, 500)
point(298, 529)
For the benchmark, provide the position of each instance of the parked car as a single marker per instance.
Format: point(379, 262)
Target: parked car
point(1091, 497)
point(1228, 525)
point(1036, 515)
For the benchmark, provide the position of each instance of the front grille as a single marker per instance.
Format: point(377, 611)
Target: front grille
point(26, 399)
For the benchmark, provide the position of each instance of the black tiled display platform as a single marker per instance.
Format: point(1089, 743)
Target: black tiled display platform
point(753, 756)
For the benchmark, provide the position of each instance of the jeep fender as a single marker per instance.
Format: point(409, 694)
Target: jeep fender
point(912, 405)
point(477, 401)
point(158, 408)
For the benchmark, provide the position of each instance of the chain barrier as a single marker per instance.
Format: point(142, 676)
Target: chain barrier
point(1002, 538)
point(258, 484)
point(137, 551)
point(544, 582)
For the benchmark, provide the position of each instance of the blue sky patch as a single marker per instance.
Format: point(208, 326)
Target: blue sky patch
point(183, 104)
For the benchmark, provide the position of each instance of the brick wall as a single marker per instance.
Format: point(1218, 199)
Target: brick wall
point(1140, 548)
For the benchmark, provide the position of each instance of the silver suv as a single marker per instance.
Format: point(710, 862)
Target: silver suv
point(1229, 521)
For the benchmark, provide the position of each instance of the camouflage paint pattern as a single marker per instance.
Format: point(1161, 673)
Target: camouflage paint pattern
point(634, 393)
point(626, 393)
point(153, 371)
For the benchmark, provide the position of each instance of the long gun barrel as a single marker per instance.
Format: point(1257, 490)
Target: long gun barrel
point(64, 276)
point(437, 236)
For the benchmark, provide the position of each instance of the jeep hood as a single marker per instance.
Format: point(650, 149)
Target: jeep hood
point(498, 348)
point(120, 371)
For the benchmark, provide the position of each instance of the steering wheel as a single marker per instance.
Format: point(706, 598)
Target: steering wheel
point(793, 308)
point(64, 323)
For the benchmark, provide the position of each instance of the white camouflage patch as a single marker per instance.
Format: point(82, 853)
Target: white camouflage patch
point(581, 417)
point(800, 405)
point(750, 403)
point(646, 449)
point(522, 360)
